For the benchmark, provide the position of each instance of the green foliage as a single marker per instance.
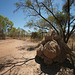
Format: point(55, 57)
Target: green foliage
point(29, 24)
point(5, 25)
point(35, 35)
point(7, 29)
point(17, 32)
point(28, 3)
point(61, 22)
point(63, 18)
point(65, 6)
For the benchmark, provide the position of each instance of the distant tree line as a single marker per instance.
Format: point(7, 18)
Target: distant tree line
point(7, 29)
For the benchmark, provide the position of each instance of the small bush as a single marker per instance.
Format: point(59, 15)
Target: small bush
point(35, 35)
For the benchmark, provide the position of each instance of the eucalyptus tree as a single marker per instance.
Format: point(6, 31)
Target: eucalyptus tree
point(5, 26)
point(42, 7)
point(22, 33)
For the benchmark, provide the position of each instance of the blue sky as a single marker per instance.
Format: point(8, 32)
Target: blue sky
point(6, 9)
point(18, 18)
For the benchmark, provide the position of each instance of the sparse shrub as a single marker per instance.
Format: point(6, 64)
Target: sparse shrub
point(35, 35)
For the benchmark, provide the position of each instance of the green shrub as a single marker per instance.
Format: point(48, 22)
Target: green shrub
point(35, 35)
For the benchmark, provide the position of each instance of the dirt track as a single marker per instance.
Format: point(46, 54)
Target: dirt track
point(12, 51)
point(12, 47)
point(15, 51)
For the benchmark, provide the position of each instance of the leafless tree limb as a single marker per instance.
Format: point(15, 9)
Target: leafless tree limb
point(72, 21)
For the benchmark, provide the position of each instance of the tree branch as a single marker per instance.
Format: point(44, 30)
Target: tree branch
point(32, 7)
point(38, 5)
point(43, 18)
point(41, 27)
point(72, 21)
point(49, 23)
point(72, 29)
point(68, 16)
point(33, 15)
point(71, 32)
point(52, 14)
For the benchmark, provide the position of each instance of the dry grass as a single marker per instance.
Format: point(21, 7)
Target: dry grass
point(19, 38)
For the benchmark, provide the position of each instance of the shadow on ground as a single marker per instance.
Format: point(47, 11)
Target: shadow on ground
point(47, 69)
point(54, 68)
point(4, 60)
point(29, 48)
